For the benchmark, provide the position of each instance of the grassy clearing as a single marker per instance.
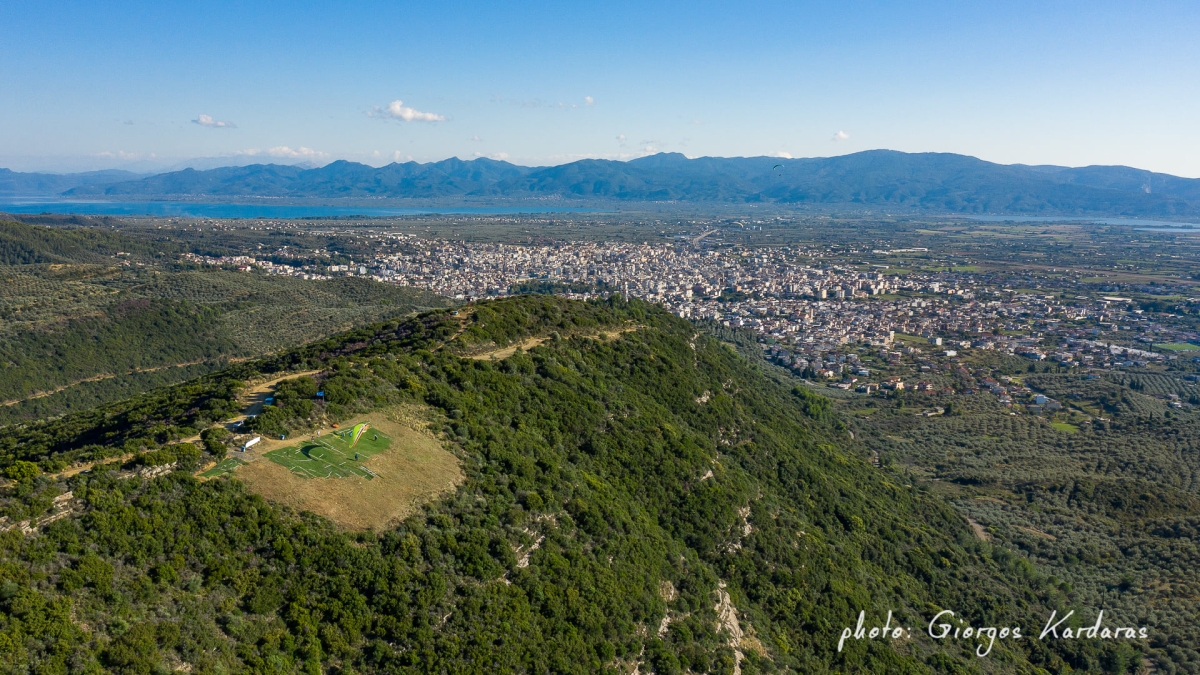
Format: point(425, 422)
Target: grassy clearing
point(1065, 427)
point(332, 455)
point(411, 469)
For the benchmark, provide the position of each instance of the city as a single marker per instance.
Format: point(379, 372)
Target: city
point(813, 311)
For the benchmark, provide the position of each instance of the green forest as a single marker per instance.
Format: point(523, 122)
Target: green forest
point(669, 484)
point(1106, 507)
point(81, 326)
point(25, 244)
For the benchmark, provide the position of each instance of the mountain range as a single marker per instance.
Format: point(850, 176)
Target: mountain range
point(939, 182)
point(49, 184)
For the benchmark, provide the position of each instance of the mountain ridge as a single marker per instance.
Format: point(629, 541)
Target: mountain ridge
point(941, 182)
point(32, 184)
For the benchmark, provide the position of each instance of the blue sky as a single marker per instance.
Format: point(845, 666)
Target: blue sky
point(145, 85)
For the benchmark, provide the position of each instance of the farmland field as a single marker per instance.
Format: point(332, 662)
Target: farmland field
point(332, 455)
point(1179, 346)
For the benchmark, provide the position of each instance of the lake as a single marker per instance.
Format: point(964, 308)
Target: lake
point(213, 210)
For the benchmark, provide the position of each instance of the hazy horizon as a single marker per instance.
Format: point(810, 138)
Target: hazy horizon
point(208, 163)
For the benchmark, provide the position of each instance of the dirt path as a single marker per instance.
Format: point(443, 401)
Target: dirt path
point(530, 343)
point(463, 314)
point(980, 533)
point(255, 395)
point(508, 351)
point(80, 468)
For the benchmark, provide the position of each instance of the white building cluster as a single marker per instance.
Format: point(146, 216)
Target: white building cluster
point(800, 298)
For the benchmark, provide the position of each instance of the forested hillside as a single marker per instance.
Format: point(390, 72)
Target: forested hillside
point(1109, 506)
point(645, 501)
point(24, 244)
point(82, 325)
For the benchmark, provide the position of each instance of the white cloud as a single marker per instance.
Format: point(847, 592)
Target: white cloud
point(396, 110)
point(783, 155)
point(840, 136)
point(476, 138)
point(208, 121)
point(620, 138)
point(284, 152)
point(588, 100)
point(498, 156)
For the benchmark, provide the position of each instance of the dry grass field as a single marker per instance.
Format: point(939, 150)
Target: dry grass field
point(415, 469)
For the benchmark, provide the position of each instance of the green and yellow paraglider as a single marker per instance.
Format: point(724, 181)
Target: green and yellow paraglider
point(357, 433)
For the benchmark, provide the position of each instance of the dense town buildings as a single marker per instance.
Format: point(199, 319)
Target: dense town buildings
point(809, 308)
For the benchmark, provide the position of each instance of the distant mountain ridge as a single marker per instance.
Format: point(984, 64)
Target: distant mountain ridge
point(940, 182)
point(34, 184)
